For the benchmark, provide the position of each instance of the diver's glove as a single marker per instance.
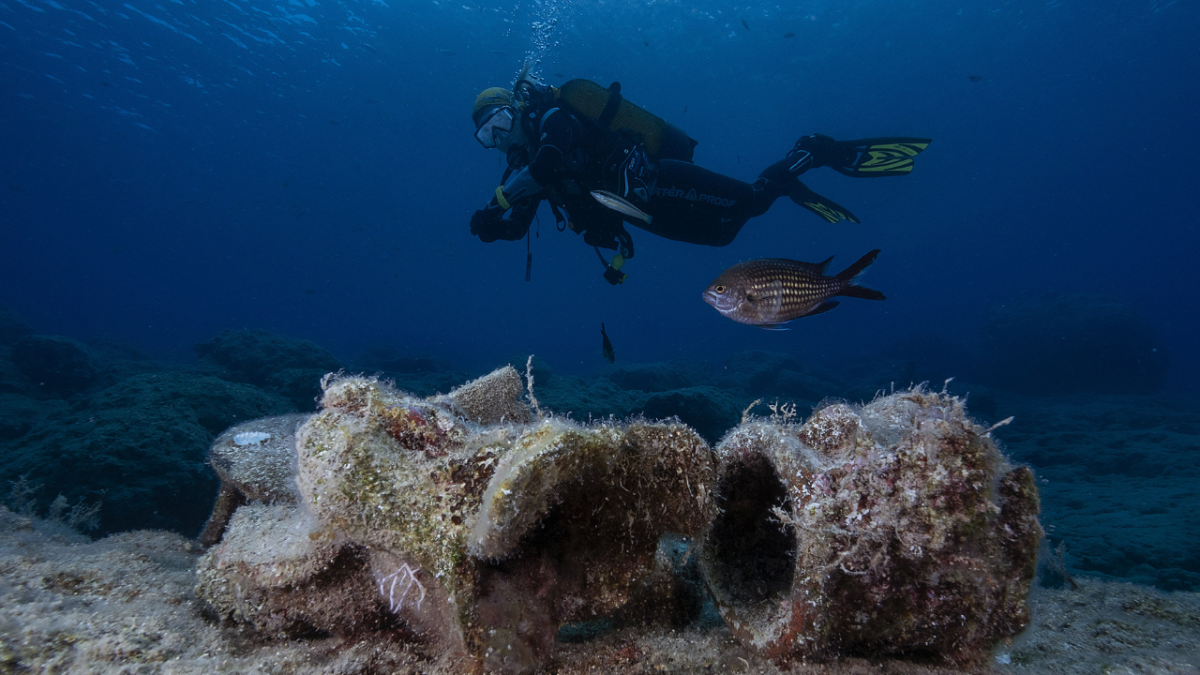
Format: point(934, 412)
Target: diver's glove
point(486, 220)
point(490, 226)
point(489, 223)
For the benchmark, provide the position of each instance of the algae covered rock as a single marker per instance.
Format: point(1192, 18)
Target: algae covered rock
point(481, 539)
point(55, 365)
point(140, 446)
point(290, 367)
point(893, 528)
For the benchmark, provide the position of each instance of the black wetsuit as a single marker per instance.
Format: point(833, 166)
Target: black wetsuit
point(570, 157)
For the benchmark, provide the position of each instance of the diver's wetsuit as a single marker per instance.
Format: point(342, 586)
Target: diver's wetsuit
point(568, 158)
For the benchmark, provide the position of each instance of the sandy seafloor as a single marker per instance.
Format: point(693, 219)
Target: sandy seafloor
point(124, 604)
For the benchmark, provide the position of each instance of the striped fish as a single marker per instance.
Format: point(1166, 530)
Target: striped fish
point(772, 291)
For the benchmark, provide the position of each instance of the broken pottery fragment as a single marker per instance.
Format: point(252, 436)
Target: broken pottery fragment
point(480, 540)
point(893, 528)
point(256, 462)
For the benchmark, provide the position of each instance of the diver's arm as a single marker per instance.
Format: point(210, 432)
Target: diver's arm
point(558, 130)
point(559, 133)
point(521, 184)
point(489, 224)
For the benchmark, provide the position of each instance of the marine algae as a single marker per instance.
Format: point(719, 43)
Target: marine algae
point(477, 539)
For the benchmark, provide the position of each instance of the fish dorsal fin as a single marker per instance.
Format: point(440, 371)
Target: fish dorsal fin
point(822, 266)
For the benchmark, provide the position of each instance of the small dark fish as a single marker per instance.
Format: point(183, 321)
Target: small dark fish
point(974, 78)
point(771, 291)
point(645, 43)
point(334, 122)
point(606, 346)
point(746, 25)
point(310, 291)
point(448, 52)
point(106, 83)
point(789, 34)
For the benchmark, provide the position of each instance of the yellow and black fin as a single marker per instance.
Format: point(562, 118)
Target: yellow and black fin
point(828, 209)
point(872, 157)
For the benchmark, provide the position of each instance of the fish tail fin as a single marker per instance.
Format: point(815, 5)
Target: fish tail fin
point(853, 290)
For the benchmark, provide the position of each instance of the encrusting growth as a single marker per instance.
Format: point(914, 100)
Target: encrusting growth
point(465, 523)
point(474, 528)
point(893, 528)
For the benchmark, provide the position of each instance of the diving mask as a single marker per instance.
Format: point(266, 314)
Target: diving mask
point(495, 127)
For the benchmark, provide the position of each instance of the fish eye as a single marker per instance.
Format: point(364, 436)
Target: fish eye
point(719, 289)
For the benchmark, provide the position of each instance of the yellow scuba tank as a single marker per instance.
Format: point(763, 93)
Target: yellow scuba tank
point(611, 111)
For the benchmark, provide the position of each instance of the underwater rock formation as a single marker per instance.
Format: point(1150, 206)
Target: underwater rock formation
point(139, 446)
point(418, 375)
point(288, 366)
point(460, 521)
point(893, 528)
point(55, 365)
point(708, 410)
point(658, 377)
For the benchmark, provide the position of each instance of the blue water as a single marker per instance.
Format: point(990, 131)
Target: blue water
point(172, 169)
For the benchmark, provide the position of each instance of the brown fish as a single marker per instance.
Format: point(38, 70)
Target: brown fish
point(772, 291)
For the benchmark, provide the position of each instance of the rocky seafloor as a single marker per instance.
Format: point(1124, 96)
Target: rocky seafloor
point(1116, 461)
point(125, 604)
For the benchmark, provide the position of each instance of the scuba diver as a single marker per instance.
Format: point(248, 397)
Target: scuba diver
point(604, 161)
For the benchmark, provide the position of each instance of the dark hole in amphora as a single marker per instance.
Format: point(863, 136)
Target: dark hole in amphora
point(751, 553)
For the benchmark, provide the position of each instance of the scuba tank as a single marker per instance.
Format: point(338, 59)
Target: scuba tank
point(612, 112)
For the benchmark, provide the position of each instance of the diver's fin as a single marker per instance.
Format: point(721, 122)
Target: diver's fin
point(872, 157)
point(826, 208)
